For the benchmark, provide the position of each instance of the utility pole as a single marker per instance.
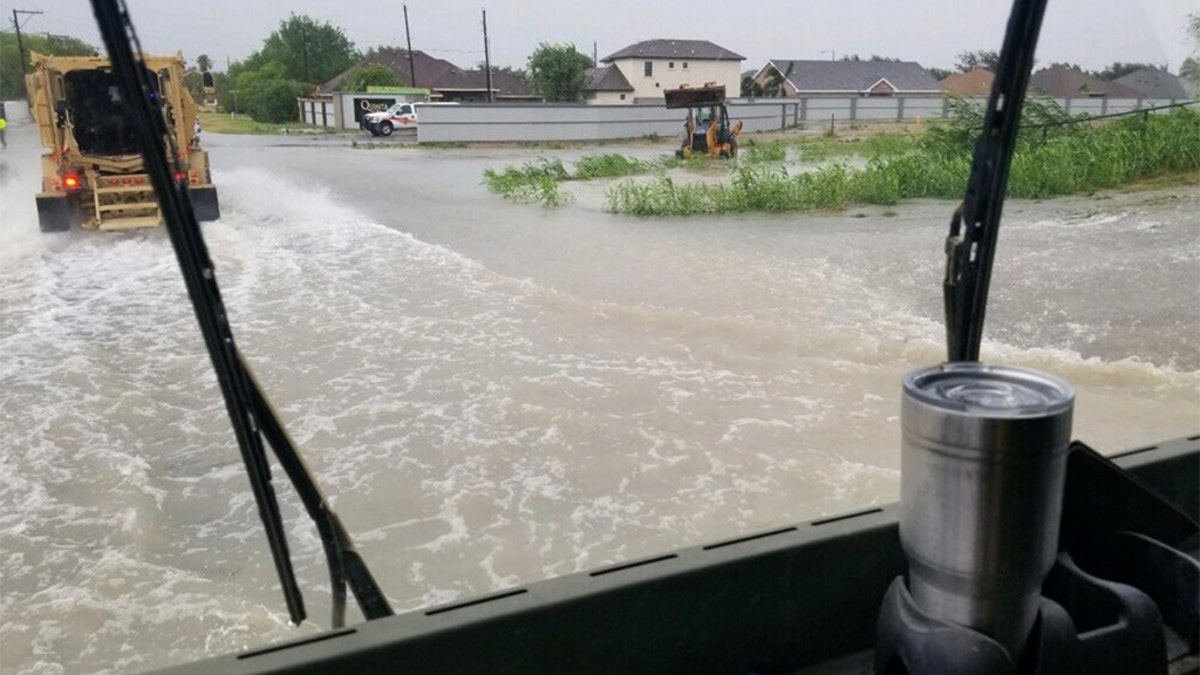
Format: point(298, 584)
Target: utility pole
point(412, 68)
point(20, 45)
point(487, 59)
point(304, 47)
point(595, 55)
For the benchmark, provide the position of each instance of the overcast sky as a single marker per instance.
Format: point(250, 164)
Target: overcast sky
point(1092, 33)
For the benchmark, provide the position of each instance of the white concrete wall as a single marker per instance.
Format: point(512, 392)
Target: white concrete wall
point(17, 112)
point(574, 121)
point(583, 122)
point(611, 98)
point(728, 73)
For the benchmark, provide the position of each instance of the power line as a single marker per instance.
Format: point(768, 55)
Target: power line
point(30, 13)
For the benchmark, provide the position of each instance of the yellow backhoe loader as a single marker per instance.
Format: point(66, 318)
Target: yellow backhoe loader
point(709, 132)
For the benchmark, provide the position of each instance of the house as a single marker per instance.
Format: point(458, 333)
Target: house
point(1062, 81)
point(1154, 83)
point(976, 82)
point(653, 65)
point(607, 85)
point(444, 80)
point(847, 78)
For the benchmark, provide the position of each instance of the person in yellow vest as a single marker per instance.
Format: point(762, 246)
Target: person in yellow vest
point(3, 124)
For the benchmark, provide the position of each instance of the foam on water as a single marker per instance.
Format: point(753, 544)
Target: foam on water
point(474, 431)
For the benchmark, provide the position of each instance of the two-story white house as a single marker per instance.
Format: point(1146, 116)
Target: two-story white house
point(649, 67)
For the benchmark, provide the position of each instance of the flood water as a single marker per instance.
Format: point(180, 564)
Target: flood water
point(495, 393)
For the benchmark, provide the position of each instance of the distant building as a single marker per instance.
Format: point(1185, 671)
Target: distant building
point(444, 80)
point(1062, 81)
point(847, 78)
point(1154, 83)
point(976, 82)
point(607, 85)
point(653, 65)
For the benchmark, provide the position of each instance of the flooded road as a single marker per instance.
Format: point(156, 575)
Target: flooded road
point(496, 393)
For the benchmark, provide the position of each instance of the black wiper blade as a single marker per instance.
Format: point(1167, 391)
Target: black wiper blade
point(344, 560)
point(971, 246)
point(249, 412)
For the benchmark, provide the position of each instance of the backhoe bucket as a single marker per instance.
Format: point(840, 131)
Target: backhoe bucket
point(689, 97)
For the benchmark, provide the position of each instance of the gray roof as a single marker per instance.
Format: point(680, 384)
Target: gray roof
point(434, 74)
point(699, 50)
point(1065, 82)
point(607, 78)
point(1154, 83)
point(856, 76)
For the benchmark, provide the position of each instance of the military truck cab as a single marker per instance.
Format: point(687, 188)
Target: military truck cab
point(93, 175)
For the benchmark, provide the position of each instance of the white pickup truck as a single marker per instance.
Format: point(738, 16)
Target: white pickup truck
point(399, 116)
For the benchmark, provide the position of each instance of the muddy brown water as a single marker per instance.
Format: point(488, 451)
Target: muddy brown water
point(496, 393)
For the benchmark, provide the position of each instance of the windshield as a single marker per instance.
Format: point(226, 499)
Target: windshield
point(532, 339)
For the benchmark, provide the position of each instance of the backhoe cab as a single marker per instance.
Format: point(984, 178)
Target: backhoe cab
point(708, 130)
point(93, 174)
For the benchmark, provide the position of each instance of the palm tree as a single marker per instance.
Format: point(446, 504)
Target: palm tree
point(1190, 70)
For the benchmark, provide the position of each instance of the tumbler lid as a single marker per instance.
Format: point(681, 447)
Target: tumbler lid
point(973, 388)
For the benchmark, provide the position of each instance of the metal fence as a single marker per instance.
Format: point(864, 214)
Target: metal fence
point(316, 111)
point(579, 122)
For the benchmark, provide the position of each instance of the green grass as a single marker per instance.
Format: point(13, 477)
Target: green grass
point(533, 182)
point(819, 149)
point(538, 181)
point(754, 151)
point(1068, 159)
point(1080, 159)
point(223, 123)
point(616, 166)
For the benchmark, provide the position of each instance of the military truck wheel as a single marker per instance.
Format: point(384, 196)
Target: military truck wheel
point(55, 213)
point(385, 128)
point(205, 204)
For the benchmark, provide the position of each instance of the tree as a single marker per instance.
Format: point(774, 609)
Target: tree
point(374, 75)
point(266, 94)
point(983, 58)
point(773, 87)
point(204, 63)
point(1118, 69)
point(557, 72)
point(193, 81)
point(751, 88)
point(518, 73)
point(308, 51)
point(1190, 68)
point(940, 73)
point(12, 84)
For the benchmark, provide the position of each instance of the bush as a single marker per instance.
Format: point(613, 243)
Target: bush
point(275, 100)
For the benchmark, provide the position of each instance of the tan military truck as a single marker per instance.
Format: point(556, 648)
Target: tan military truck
point(93, 174)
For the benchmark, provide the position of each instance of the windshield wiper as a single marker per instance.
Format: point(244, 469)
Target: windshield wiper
point(971, 245)
point(251, 415)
